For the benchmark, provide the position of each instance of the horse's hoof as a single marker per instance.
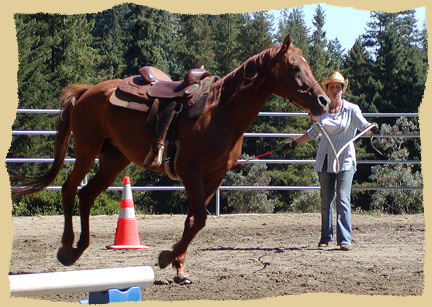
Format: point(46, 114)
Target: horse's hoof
point(182, 280)
point(165, 259)
point(65, 256)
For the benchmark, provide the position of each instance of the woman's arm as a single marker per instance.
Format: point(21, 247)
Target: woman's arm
point(293, 143)
point(303, 138)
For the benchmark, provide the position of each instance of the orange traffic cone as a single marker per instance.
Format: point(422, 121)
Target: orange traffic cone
point(127, 236)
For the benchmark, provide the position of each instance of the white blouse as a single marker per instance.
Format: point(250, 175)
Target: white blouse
point(341, 128)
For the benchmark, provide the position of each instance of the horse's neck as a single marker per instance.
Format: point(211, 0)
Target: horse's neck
point(242, 105)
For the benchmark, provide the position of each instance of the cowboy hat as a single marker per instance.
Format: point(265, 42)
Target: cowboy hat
point(335, 77)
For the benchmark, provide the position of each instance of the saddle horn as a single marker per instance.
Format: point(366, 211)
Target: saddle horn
point(203, 60)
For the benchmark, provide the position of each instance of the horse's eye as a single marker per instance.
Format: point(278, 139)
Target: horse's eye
point(295, 68)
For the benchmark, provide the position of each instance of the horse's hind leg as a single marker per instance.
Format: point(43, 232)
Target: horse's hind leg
point(66, 254)
point(111, 163)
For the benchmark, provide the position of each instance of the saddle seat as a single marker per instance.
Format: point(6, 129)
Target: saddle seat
point(154, 83)
point(151, 74)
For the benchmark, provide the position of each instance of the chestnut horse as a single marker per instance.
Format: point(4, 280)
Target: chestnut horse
point(210, 144)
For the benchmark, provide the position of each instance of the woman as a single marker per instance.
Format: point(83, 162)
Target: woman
point(340, 123)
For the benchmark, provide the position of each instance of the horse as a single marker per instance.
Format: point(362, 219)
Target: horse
point(210, 144)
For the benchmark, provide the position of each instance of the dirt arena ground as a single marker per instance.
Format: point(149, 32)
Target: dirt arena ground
point(243, 257)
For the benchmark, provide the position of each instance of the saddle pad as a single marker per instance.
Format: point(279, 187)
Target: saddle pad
point(117, 98)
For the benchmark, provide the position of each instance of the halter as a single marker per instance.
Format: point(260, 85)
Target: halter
point(308, 89)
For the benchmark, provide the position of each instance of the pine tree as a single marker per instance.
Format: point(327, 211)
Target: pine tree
point(399, 61)
point(396, 81)
point(195, 42)
point(37, 83)
point(318, 58)
point(335, 54)
point(109, 39)
point(292, 22)
point(255, 35)
point(358, 69)
point(79, 59)
point(147, 41)
point(53, 50)
point(225, 30)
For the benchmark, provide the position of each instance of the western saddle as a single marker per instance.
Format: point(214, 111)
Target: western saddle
point(154, 83)
point(164, 100)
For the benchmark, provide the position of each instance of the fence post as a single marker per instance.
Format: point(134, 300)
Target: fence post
point(218, 202)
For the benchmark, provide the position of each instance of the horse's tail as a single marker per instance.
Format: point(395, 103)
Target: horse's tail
point(31, 185)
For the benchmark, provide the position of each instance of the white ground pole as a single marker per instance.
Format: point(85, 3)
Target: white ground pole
point(80, 281)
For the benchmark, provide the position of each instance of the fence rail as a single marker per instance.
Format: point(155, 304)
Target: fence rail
point(267, 161)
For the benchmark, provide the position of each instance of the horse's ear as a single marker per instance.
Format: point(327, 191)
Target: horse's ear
point(284, 48)
point(286, 44)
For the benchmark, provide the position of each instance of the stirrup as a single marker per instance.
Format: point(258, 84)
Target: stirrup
point(155, 156)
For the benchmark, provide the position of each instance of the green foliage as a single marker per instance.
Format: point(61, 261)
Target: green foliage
point(247, 201)
point(105, 205)
point(397, 175)
point(318, 58)
point(387, 69)
point(400, 64)
point(225, 31)
point(255, 34)
point(43, 203)
point(108, 39)
point(292, 22)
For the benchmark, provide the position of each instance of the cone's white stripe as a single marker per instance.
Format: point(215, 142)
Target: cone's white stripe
point(127, 192)
point(127, 213)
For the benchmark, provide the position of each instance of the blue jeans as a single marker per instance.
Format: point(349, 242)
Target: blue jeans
point(341, 184)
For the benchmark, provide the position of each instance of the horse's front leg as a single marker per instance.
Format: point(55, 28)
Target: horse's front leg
point(199, 195)
point(195, 221)
point(177, 256)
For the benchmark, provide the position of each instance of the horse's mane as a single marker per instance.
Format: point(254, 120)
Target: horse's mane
point(252, 72)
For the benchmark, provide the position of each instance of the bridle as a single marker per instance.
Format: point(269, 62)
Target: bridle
point(305, 92)
point(308, 89)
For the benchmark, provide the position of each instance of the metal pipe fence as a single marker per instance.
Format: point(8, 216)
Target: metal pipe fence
point(266, 161)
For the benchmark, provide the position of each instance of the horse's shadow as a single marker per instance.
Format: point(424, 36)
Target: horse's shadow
point(277, 250)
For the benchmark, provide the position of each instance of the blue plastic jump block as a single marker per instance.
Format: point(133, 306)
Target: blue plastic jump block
point(132, 294)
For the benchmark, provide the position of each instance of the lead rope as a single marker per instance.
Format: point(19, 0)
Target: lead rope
point(256, 157)
point(336, 164)
point(226, 229)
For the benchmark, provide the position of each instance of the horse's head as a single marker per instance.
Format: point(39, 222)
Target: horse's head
point(294, 80)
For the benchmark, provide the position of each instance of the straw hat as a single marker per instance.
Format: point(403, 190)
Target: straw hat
point(335, 77)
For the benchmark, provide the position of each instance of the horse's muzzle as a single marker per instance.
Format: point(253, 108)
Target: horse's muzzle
point(321, 106)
